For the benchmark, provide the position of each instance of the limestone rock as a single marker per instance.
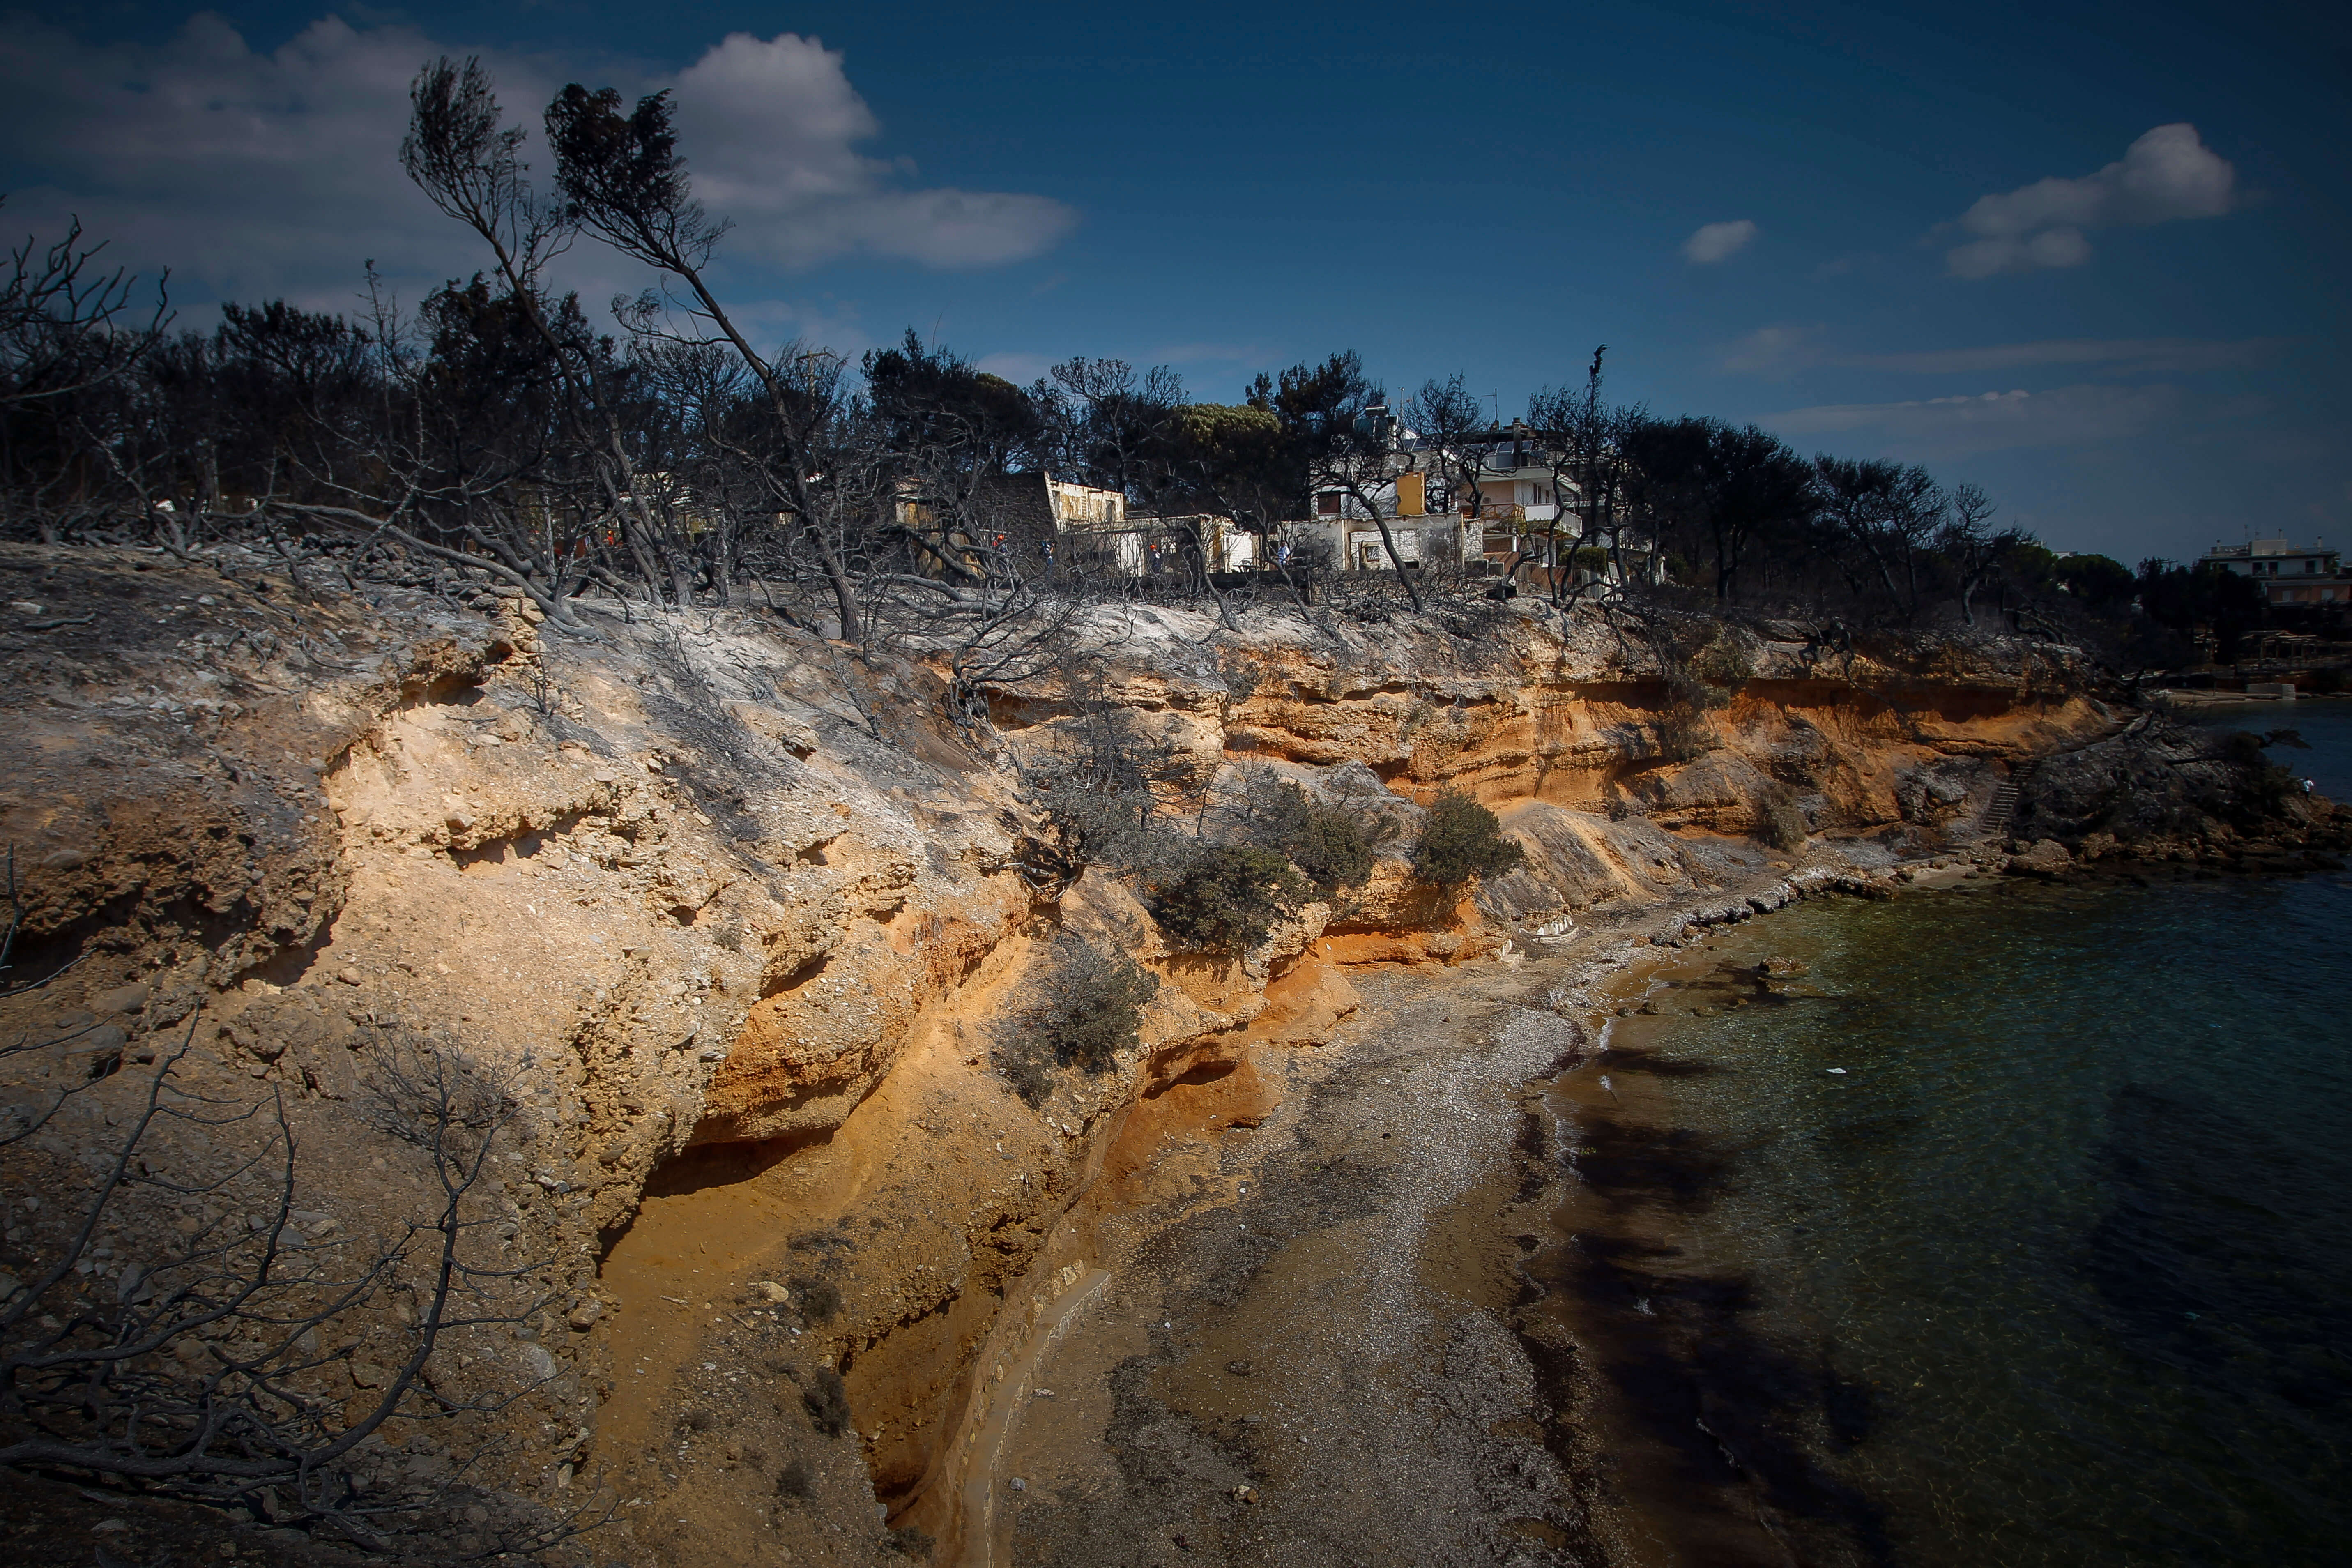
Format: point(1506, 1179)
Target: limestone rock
point(2046, 858)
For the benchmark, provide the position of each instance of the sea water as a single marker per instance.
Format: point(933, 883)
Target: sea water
point(2016, 1231)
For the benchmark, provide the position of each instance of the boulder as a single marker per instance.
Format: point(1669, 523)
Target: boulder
point(2046, 857)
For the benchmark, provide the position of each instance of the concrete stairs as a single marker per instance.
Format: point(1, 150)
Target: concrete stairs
point(2001, 807)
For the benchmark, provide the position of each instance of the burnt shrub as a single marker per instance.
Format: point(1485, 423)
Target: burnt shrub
point(1088, 1006)
point(827, 1399)
point(796, 1482)
point(1722, 665)
point(1682, 730)
point(819, 1299)
point(1099, 788)
point(1227, 897)
point(2264, 787)
point(1030, 1071)
point(1779, 821)
point(1104, 826)
point(1462, 839)
point(1243, 675)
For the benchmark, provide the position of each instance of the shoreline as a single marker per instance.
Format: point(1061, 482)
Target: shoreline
point(1555, 1319)
point(1565, 1345)
point(2201, 697)
point(1394, 1188)
point(1149, 1350)
point(1560, 1318)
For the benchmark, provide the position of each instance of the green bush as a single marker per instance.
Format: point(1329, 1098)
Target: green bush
point(1460, 840)
point(1227, 897)
point(1093, 1007)
point(1722, 664)
point(1334, 846)
point(1089, 1007)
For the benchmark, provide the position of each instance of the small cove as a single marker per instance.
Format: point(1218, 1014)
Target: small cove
point(2054, 1271)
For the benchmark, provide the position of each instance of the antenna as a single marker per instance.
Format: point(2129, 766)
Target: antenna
point(1497, 396)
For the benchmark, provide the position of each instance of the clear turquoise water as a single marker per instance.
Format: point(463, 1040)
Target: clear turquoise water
point(2060, 1269)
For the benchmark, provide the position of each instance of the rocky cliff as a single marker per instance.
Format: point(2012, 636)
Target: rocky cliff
point(732, 919)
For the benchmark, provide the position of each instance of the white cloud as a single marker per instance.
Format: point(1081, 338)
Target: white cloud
point(1993, 421)
point(254, 173)
point(2167, 175)
point(771, 127)
point(259, 174)
point(1713, 242)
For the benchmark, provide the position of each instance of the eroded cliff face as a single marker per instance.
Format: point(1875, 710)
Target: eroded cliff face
point(739, 919)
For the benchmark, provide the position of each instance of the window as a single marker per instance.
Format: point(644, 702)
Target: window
point(1327, 504)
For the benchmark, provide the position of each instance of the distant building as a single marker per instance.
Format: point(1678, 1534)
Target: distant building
point(1510, 510)
point(1073, 528)
point(1353, 544)
point(1084, 508)
point(1144, 546)
point(2289, 576)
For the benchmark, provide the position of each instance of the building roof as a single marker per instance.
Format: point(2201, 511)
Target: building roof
point(2262, 548)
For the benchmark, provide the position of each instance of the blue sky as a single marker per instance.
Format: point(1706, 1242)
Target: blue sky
point(2091, 257)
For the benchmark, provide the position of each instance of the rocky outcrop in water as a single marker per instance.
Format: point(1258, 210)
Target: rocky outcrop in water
point(2163, 790)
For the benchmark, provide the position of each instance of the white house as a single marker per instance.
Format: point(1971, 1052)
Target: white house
point(1095, 532)
point(2288, 576)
